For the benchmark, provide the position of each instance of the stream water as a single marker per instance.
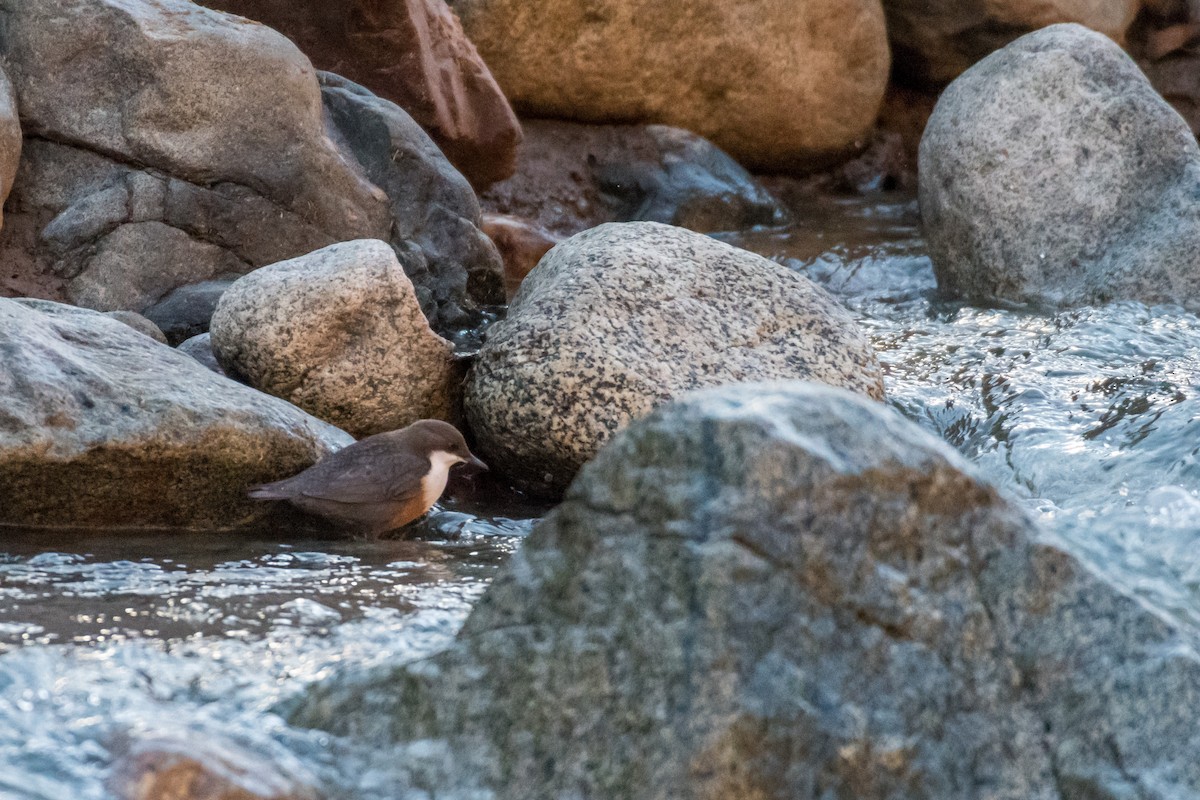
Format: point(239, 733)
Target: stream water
point(1089, 417)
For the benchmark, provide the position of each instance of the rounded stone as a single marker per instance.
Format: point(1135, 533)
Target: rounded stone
point(338, 332)
point(1052, 173)
point(778, 85)
point(618, 319)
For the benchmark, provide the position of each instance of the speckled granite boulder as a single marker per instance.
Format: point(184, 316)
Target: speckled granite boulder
point(10, 139)
point(776, 85)
point(785, 591)
point(339, 333)
point(1052, 173)
point(103, 426)
point(622, 317)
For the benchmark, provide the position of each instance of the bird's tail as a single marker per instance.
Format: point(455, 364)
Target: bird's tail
point(268, 491)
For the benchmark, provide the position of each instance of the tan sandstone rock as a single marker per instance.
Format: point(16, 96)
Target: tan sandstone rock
point(778, 85)
point(339, 333)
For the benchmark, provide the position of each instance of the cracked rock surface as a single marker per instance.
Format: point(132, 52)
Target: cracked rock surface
point(623, 317)
point(102, 426)
point(339, 333)
point(779, 591)
point(213, 154)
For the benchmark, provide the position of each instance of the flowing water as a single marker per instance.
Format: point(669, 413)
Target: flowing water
point(1089, 417)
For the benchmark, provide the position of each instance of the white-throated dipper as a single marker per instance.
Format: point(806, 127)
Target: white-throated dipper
point(380, 483)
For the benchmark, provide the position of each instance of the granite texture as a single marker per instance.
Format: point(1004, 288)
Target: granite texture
point(1052, 173)
point(339, 333)
point(623, 317)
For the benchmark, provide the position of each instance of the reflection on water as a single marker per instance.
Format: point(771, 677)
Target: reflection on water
point(1089, 417)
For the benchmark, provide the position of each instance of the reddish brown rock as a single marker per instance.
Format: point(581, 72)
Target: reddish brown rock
point(199, 769)
point(521, 244)
point(414, 53)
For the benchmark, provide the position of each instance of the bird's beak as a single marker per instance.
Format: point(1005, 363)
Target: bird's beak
point(475, 462)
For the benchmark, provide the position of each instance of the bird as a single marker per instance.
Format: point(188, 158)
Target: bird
point(379, 483)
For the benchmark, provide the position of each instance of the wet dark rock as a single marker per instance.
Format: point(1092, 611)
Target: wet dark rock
point(1053, 173)
point(807, 595)
point(200, 348)
point(431, 203)
point(413, 53)
point(103, 427)
point(186, 311)
point(339, 333)
point(571, 177)
point(621, 318)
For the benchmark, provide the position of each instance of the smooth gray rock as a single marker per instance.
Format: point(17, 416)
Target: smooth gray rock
point(432, 204)
point(186, 311)
point(1052, 173)
point(139, 323)
point(623, 317)
point(786, 591)
point(199, 347)
point(339, 332)
point(100, 426)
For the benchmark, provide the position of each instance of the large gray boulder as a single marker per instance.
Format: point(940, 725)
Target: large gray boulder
point(338, 332)
point(168, 144)
point(787, 591)
point(1052, 173)
point(104, 427)
point(623, 317)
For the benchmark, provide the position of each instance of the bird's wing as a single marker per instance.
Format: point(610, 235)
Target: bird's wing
point(364, 476)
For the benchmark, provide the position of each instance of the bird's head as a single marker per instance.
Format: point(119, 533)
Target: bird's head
point(442, 442)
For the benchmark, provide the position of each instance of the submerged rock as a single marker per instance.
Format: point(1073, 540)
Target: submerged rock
point(778, 87)
point(339, 333)
point(104, 427)
point(1053, 173)
point(201, 768)
point(571, 177)
point(934, 41)
point(413, 53)
point(781, 591)
point(621, 318)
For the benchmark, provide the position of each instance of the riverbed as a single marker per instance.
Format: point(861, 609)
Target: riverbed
point(1088, 417)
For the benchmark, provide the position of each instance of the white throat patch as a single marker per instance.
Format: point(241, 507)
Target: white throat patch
point(433, 484)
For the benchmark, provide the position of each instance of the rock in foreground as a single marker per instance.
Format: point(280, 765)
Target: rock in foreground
point(777, 85)
point(623, 317)
point(339, 333)
point(786, 591)
point(104, 427)
point(1052, 173)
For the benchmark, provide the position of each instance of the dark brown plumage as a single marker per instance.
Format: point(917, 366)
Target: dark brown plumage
point(380, 483)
